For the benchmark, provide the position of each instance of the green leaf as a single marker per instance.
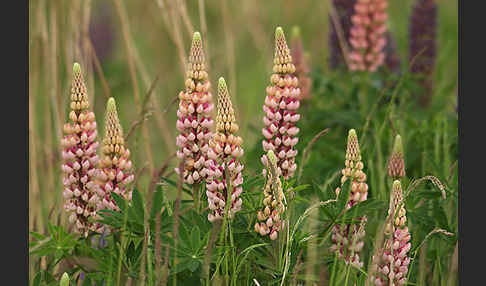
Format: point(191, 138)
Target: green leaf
point(193, 265)
point(120, 201)
point(300, 188)
point(157, 202)
point(138, 206)
point(37, 279)
point(195, 237)
point(173, 183)
point(245, 252)
point(364, 208)
point(343, 195)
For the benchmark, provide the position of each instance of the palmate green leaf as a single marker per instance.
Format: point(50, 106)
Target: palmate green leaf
point(111, 218)
point(157, 202)
point(120, 201)
point(173, 183)
point(364, 208)
point(300, 188)
point(343, 197)
point(195, 238)
point(137, 205)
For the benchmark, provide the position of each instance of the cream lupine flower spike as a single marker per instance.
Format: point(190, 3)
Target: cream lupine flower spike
point(79, 159)
point(396, 164)
point(115, 167)
point(224, 153)
point(270, 220)
point(347, 239)
point(194, 117)
point(390, 264)
point(281, 104)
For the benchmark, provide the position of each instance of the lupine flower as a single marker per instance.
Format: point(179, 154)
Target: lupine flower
point(281, 104)
point(347, 238)
point(396, 165)
point(344, 10)
point(270, 219)
point(422, 38)
point(115, 172)
point(302, 68)
point(392, 59)
point(194, 117)
point(224, 153)
point(367, 36)
point(79, 158)
point(390, 264)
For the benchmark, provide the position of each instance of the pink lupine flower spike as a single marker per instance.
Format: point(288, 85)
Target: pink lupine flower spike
point(79, 159)
point(348, 239)
point(367, 36)
point(280, 108)
point(194, 121)
point(225, 153)
point(390, 264)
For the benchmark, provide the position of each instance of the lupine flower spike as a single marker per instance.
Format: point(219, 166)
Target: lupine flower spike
point(390, 265)
point(367, 36)
point(79, 158)
point(300, 59)
point(194, 117)
point(396, 164)
point(115, 167)
point(344, 10)
point(347, 239)
point(422, 39)
point(270, 220)
point(392, 58)
point(281, 104)
point(224, 153)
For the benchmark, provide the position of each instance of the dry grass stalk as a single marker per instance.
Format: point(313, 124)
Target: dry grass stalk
point(230, 53)
point(204, 31)
point(129, 51)
point(98, 68)
point(185, 17)
point(340, 32)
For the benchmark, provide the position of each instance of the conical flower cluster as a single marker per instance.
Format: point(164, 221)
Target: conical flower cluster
point(396, 164)
point(347, 238)
point(302, 68)
point(79, 158)
point(367, 36)
point(194, 117)
point(390, 265)
point(422, 39)
point(270, 220)
point(115, 172)
point(225, 166)
point(344, 10)
point(281, 104)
